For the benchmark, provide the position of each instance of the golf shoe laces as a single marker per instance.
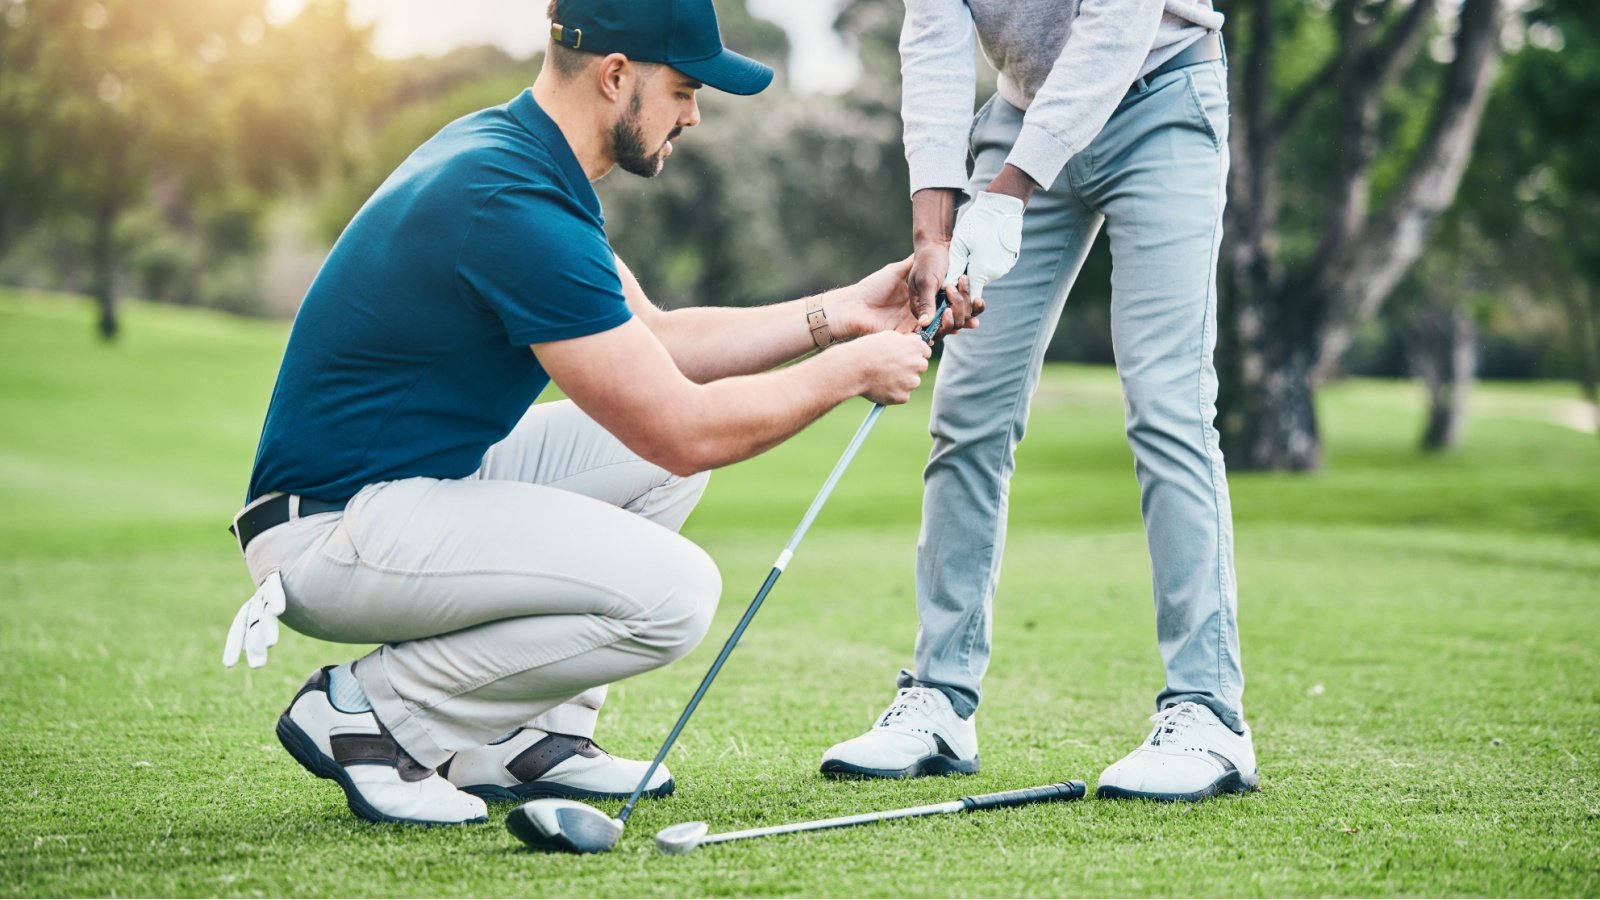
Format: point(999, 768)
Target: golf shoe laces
point(912, 701)
point(1174, 723)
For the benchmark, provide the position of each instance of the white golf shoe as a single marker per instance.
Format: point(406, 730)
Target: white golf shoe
point(919, 734)
point(529, 764)
point(1190, 755)
point(381, 782)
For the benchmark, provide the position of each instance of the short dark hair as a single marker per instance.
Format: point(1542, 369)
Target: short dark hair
point(568, 62)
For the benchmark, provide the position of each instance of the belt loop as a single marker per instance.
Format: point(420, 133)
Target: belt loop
point(294, 507)
point(1222, 46)
point(1141, 84)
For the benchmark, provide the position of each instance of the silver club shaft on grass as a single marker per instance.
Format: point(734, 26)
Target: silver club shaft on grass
point(680, 839)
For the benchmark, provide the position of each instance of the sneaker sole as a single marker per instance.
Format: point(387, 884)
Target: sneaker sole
point(536, 790)
point(1231, 783)
point(931, 765)
point(306, 752)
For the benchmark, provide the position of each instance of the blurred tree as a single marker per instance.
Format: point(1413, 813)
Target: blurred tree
point(1535, 185)
point(1436, 317)
point(1513, 263)
point(1316, 241)
point(195, 108)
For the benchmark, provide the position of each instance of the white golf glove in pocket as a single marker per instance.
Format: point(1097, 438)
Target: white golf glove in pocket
point(986, 242)
point(255, 626)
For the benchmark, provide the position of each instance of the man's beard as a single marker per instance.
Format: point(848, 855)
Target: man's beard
point(627, 143)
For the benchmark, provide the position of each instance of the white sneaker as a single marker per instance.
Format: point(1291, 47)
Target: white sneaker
point(1190, 755)
point(381, 782)
point(530, 763)
point(919, 734)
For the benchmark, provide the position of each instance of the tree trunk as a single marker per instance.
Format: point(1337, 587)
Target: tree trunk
point(1287, 329)
point(1583, 317)
point(1266, 411)
point(1442, 343)
point(104, 261)
point(1284, 432)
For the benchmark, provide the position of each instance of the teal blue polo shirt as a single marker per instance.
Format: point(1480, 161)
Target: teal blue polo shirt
point(409, 356)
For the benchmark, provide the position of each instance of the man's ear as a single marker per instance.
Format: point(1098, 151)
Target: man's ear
point(612, 74)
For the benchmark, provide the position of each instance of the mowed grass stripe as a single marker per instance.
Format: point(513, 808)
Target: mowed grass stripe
point(1421, 640)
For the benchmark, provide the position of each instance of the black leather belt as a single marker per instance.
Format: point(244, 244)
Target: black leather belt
point(275, 512)
point(1204, 50)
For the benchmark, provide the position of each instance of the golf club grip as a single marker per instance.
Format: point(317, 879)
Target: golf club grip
point(938, 317)
point(1065, 790)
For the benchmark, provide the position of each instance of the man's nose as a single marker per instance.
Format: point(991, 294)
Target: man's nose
point(692, 117)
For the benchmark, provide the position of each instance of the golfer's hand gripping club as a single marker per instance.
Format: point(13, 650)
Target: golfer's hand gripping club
point(986, 241)
point(865, 428)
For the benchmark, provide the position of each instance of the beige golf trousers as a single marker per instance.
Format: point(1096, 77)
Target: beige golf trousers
point(508, 598)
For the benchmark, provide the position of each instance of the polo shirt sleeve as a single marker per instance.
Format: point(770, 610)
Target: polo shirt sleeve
point(543, 265)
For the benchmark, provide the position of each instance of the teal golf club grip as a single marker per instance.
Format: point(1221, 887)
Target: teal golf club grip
point(1065, 790)
point(938, 317)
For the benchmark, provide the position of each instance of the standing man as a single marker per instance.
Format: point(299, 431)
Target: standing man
point(512, 559)
point(1108, 111)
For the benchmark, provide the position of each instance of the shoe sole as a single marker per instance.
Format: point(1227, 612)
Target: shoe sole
point(1231, 783)
point(306, 752)
point(930, 765)
point(537, 790)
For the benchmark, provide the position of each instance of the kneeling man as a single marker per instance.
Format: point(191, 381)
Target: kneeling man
point(513, 559)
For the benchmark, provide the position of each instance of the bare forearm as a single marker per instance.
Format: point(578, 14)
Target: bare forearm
point(710, 342)
point(933, 215)
point(739, 417)
point(1013, 182)
point(628, 382)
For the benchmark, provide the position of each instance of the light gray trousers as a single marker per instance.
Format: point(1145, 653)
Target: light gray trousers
point(508, 598)
point(1156, 177)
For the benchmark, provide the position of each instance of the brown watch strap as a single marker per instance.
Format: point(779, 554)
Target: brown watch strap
point(817, 321)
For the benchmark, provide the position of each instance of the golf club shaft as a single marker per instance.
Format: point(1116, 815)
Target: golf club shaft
point(1066, 790)
point(840, 822)
point(772, 577)
point(755, 605)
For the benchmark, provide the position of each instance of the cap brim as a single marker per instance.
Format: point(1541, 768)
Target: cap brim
point(730, 72)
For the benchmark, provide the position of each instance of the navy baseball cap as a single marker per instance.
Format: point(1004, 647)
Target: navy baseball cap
point(682, 34)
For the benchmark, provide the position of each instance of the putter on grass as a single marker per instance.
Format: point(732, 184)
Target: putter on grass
point(678, 840)
point(559, 824)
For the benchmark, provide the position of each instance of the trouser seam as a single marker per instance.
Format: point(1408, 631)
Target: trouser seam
point(1206, 431)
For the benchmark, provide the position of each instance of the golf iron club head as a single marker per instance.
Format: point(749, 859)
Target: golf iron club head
point(678, 840)
point(554, 824)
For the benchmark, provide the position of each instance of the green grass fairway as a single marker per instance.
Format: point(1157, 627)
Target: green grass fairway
point(1421, 639)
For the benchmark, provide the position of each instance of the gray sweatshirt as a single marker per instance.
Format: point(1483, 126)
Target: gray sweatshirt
point(1067, 62)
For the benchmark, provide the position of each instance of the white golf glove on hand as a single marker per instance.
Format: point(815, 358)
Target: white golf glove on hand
point(255, 627)
point(987, 239)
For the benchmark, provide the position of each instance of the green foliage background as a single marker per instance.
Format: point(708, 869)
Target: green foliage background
point(213, 132)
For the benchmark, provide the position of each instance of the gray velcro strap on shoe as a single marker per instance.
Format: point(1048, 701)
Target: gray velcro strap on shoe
point(532, 763)
point(376, 750)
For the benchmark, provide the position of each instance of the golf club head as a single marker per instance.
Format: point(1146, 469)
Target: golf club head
point(565, 825)
point(676, 840)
